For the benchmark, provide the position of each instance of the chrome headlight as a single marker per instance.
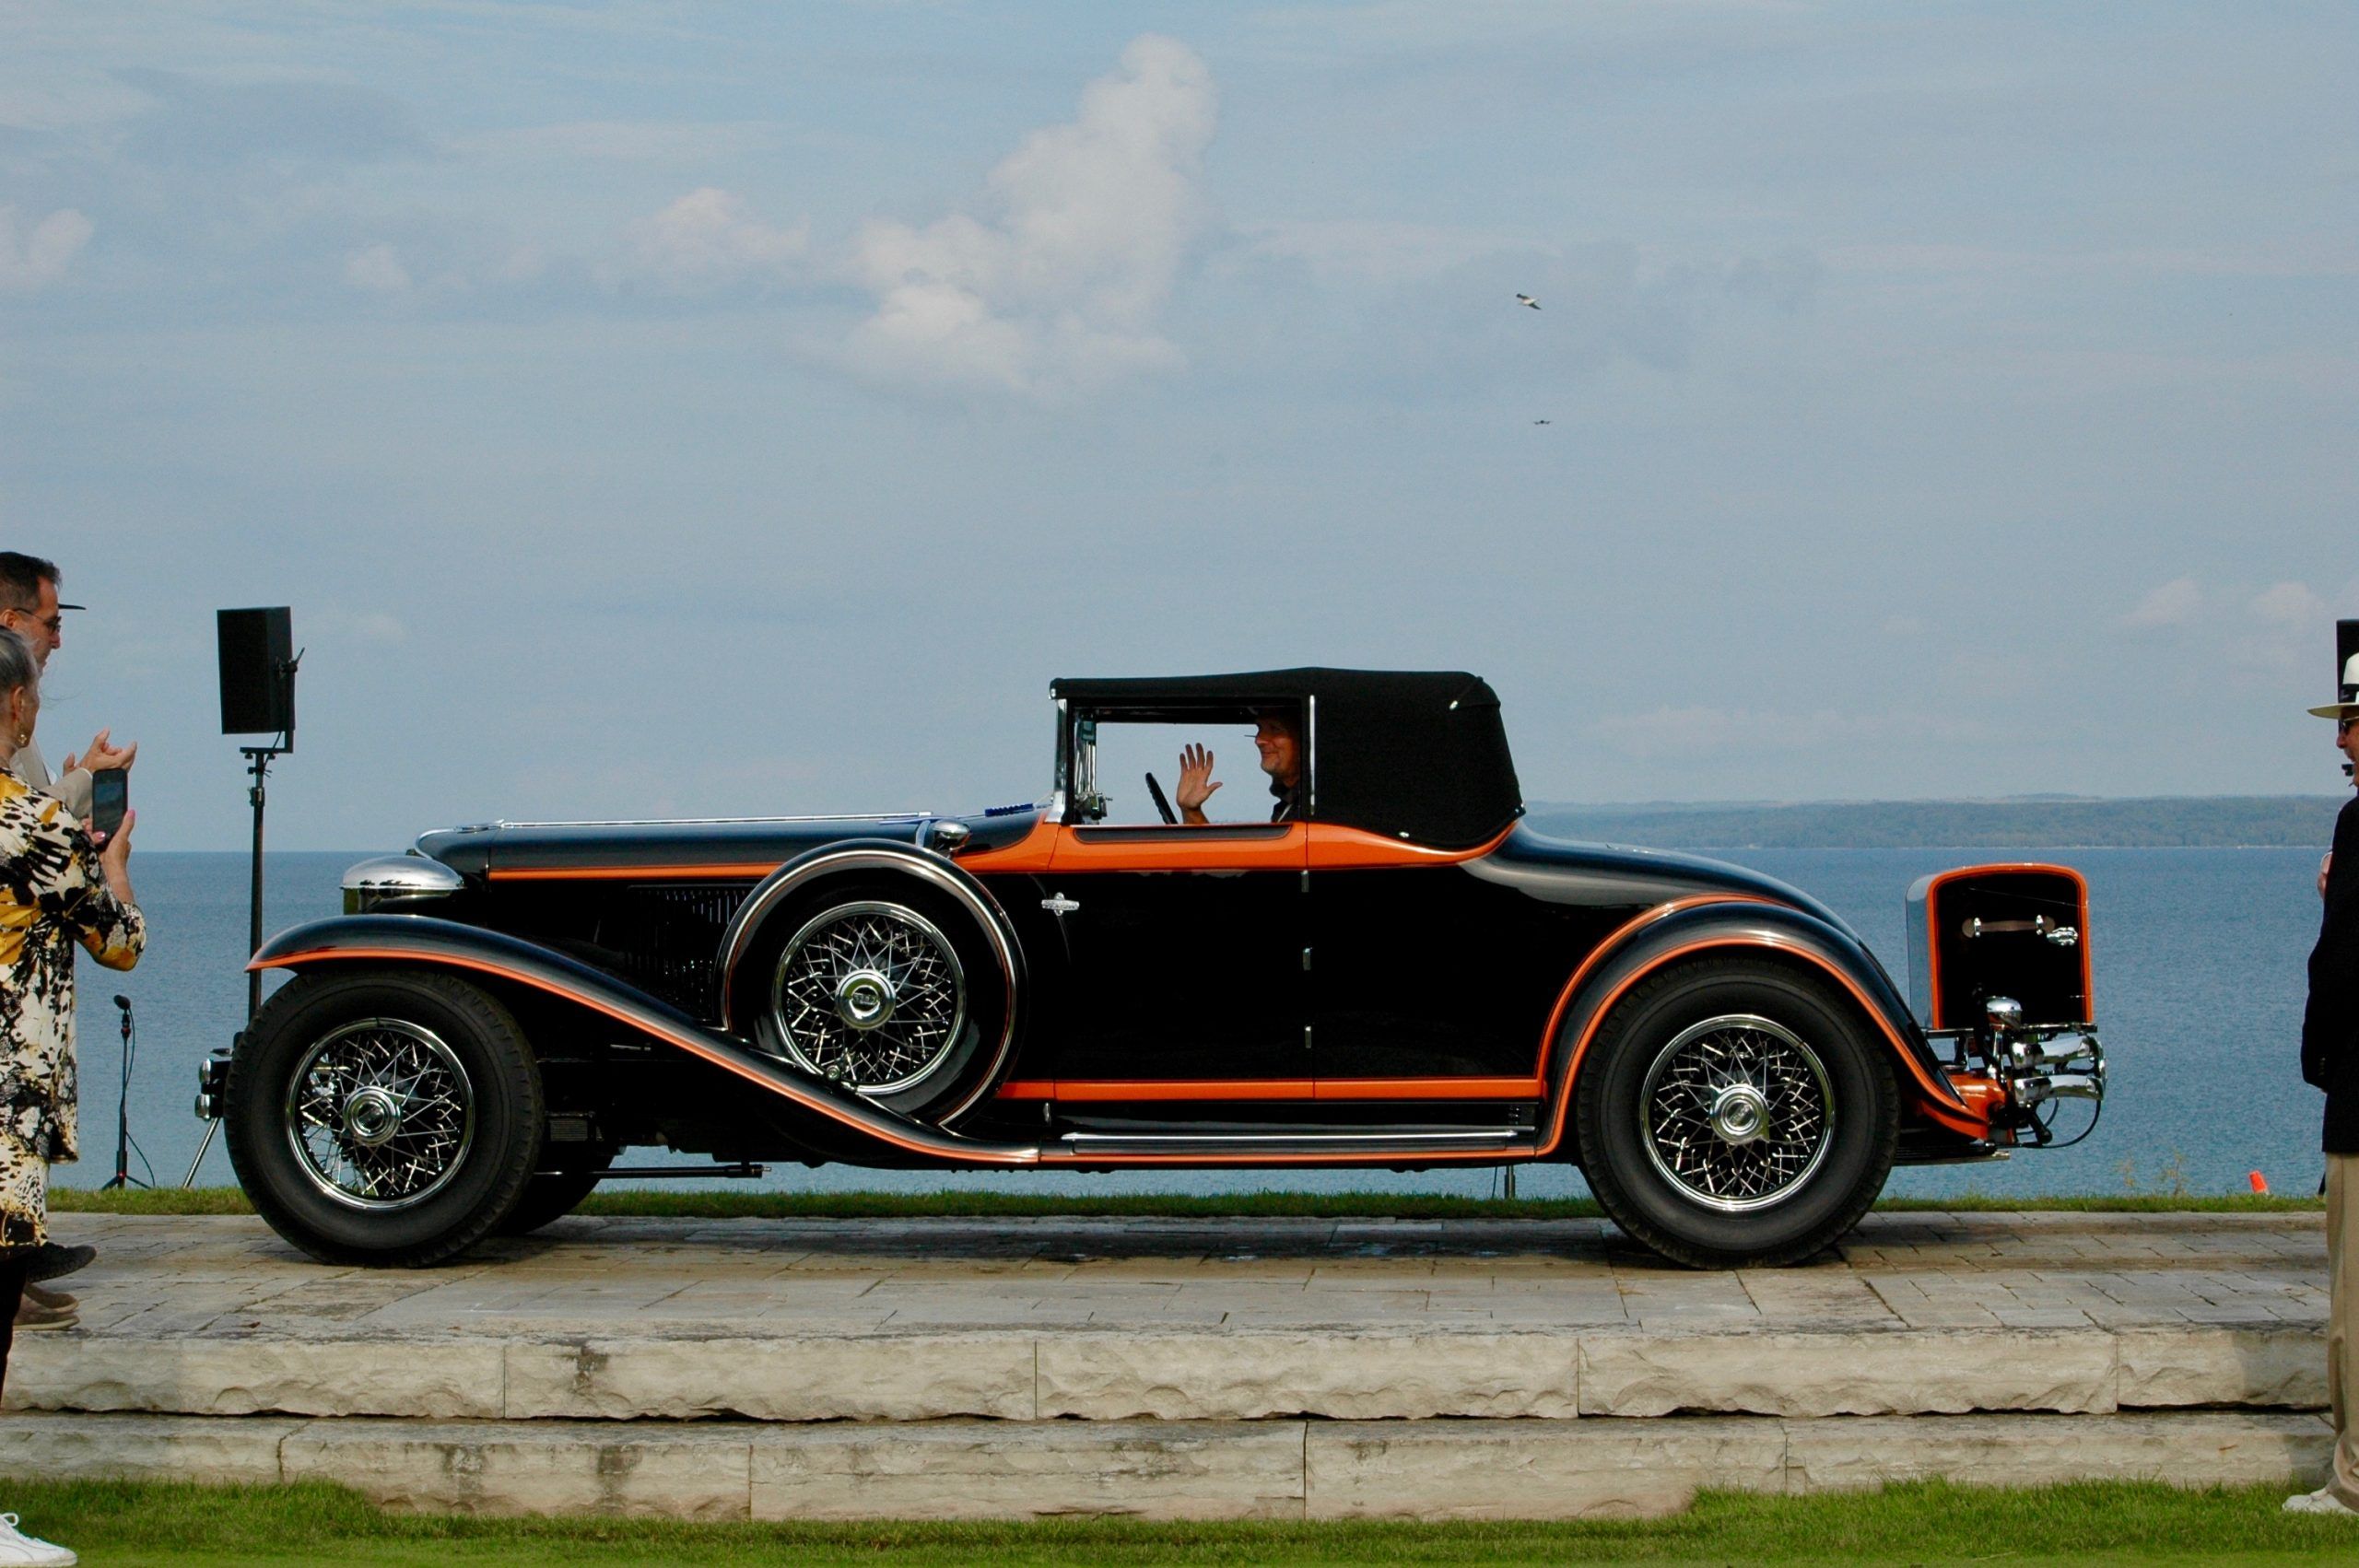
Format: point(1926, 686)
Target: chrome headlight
point(397, 881)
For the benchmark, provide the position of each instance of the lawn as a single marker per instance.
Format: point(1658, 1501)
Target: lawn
point(1927, 1522)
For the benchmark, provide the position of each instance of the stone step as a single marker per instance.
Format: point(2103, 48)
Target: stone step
point(1135, 1374)
point(1263, 1469)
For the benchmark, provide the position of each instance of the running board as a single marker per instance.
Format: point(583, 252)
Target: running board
point(1505, 1140)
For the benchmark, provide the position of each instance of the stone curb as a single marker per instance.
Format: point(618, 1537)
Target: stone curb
point(1181, 1375)
point(1266, 1470)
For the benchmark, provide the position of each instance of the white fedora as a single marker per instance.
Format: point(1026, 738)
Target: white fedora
point(2348, 706)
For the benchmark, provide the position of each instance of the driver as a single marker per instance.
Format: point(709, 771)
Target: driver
point(1279, 741)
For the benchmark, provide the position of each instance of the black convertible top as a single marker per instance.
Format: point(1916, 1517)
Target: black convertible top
point(1418, 754)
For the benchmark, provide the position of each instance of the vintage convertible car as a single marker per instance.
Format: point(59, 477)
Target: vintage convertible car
point(1399, 975)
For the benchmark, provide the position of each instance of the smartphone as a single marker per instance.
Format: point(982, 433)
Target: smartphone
point(110, 798)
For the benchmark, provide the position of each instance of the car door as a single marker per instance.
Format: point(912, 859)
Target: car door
point(1186, 965)
point(1424, 976)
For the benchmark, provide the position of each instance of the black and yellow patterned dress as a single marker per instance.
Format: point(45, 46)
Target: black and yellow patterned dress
point(52, 894)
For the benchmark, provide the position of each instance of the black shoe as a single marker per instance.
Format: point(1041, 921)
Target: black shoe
point(51, 1261)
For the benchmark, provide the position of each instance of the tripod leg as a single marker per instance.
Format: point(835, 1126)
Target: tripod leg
point(210, 1129)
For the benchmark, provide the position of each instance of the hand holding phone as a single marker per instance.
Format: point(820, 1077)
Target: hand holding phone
point(110, 798)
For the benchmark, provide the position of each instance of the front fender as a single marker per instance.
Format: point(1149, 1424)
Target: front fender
point(421, 941)
point(1736, 925)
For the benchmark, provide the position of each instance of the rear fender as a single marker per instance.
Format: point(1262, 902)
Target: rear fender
point(1738, 928)
point(421, 942)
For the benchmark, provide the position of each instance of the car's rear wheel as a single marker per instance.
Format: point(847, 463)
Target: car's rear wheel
point(882, 986)
point(383, 1117)
point(1735, 1113)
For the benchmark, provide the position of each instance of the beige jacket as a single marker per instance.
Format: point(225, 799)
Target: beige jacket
point(74, 789)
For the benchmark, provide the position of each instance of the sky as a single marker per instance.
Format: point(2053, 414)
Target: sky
point(670, 409)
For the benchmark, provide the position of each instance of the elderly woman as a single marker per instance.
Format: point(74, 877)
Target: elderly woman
point(56, 890)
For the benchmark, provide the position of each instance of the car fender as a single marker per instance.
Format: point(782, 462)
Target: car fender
point(1732, 926)
point(421, 941)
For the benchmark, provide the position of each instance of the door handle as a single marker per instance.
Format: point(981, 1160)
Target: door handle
point(1057, 903)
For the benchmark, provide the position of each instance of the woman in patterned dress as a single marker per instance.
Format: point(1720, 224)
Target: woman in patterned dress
point(55, 889)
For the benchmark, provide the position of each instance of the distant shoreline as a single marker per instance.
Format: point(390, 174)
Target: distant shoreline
point(2206, 822)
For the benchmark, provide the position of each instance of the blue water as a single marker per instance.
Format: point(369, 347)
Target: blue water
point(2198, 952)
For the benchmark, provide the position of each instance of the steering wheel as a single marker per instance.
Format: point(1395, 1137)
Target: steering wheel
point(1161, 805)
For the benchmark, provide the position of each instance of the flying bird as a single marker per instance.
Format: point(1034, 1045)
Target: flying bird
point(1543, 421)
point(1527, 299)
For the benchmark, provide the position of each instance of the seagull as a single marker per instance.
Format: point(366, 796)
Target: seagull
point(1543, 421)
point(1527, 299)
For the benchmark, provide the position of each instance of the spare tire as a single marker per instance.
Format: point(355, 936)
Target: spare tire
point(881, 986)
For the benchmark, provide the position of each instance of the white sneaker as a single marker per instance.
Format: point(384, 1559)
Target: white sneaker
point(16, 1547)
point(2322, 1500)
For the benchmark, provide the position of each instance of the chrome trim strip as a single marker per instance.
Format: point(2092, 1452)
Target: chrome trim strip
point(1310, 762)
point(925, 865)
point(698, 821)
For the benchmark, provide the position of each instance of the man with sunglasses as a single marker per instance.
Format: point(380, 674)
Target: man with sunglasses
point(2330, 1061)
point(28, 607)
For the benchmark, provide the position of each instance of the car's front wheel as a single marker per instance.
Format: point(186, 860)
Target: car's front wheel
point(383, 1117)
point(1735, 1113)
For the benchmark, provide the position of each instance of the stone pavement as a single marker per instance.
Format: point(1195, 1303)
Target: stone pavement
point(1272, 1367)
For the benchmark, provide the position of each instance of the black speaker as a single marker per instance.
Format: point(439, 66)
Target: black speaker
point(257, 671)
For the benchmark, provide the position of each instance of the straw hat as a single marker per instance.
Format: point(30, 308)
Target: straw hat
point(2347, 706)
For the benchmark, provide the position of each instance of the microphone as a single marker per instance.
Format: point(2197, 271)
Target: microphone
point(123, 1002)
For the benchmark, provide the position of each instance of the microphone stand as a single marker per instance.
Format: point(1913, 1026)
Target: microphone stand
point(121, 1176)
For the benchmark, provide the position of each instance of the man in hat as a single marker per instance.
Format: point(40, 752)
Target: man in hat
point(28, 607)
point(2330, 1061)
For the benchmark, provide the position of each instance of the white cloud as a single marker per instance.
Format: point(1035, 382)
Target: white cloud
point(2288, 606)
point(1060, 288)
point(376, 269)
point(378, 627)
point(707, 239)
point(2172, 605)
point(39, 255)
point(2290, 633)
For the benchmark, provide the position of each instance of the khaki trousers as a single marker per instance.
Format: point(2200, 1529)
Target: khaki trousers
point(2342, 1320)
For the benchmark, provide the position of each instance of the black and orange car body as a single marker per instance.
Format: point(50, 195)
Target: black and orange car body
point(1398, 975)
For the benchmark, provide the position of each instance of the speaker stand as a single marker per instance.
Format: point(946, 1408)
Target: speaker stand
point(258, 760)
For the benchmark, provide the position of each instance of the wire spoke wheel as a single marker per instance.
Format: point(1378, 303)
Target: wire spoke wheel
point(1737, 1112)
point(380, 1114)
point(870, 995)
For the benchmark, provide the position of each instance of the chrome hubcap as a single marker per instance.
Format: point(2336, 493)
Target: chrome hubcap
point(380, 1114)
point(373, 1117)
point(865, 1000)
point(1737, 1112)
point(1740, 1112)
point(870, 995)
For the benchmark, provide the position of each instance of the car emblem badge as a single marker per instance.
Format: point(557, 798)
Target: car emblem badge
point(1060, 906)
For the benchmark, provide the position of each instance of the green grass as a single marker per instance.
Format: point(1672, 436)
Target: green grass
point(1922, 1523)
point(666, 1204)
